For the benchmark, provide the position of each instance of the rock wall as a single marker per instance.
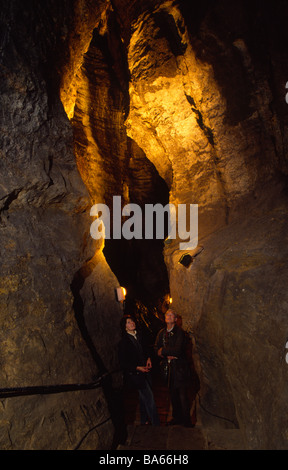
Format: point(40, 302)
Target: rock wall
point(161, 96)
point(45, 242)
point(207, 105)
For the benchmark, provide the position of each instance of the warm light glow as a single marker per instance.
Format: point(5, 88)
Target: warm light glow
point(170, 300)
point(121, 294)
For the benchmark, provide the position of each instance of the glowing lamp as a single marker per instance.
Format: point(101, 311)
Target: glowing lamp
point(121, 294)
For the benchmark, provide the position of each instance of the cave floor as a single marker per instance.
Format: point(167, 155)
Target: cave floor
point(174, 437)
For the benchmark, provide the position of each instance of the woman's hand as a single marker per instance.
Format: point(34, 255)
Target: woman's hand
point(142, 368)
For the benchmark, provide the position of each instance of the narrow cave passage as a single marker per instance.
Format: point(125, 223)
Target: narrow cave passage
point(112, 164)
point(153, 101)
point(170, 103)
point(119, 153)
point(139, 263)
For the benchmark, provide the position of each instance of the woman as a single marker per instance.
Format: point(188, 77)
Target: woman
point(136, 364)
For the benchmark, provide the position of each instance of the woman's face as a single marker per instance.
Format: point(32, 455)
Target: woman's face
point(130, 325)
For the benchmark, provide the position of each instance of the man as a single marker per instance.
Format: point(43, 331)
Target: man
point(171, 345)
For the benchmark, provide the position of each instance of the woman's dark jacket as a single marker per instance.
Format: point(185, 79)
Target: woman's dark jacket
point(133, 353)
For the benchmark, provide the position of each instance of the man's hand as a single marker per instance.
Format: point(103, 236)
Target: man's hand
point(149, 363)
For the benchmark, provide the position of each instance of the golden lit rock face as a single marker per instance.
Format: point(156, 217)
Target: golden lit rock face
point(191, 95)
point(110, 162)
point(87, 15)
point(177, 115)
point(100, 138)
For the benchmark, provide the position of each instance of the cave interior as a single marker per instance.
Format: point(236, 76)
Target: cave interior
point(158, 102)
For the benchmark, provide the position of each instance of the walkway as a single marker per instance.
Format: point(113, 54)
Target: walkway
point(165, 437)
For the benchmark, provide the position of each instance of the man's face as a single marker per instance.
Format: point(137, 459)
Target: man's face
point(170, 317)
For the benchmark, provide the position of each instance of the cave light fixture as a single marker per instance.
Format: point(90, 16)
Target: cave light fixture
point(187, 258)
point(120, 294)
point(286, 347)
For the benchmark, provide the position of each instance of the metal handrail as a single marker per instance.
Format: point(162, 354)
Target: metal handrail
point(50, 389)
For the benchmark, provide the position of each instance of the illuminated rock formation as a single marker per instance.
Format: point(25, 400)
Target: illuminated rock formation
point(154, 101)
